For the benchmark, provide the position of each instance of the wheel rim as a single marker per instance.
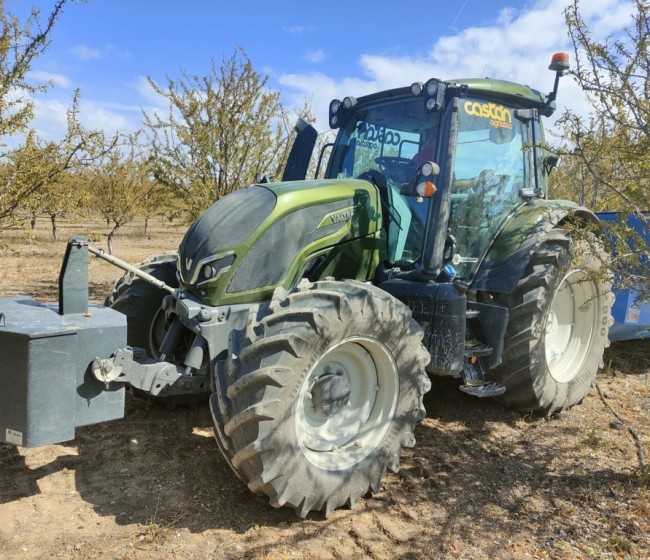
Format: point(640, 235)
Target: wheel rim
point(360, 421)
point(570, 326)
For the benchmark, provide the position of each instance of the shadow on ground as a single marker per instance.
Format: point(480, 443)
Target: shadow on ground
point(475, 465)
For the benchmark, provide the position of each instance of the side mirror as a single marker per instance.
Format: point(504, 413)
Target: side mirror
point(550, 162)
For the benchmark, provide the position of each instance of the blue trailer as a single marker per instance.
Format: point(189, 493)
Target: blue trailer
point(631, 313)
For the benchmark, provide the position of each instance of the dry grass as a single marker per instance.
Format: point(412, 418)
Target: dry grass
point(482, 482)
point(31, 259)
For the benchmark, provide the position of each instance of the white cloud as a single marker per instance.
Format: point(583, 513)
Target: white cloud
point(517, 46)
point(51, 110)
point(144, 89)
point(100, 116)
point(50, 121)
point(57, 80)
point(154, 104)
point(321, 89)
point(387, 72)
point(84, 52)
point(299, 29)
point(316, 56)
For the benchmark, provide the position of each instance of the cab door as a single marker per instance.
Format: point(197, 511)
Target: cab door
point(492, 170)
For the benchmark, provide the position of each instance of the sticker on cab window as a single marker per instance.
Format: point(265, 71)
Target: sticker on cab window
point(458, 259)
point(499, 116)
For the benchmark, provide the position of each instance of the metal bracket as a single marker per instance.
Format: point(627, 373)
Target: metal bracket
point(131, 366)
point(73, 278)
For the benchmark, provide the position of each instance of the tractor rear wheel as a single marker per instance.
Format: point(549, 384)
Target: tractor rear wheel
point(324, 389)
point(141, 302)
point(558, 325)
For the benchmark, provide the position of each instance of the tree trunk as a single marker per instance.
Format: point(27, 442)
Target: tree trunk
point(53, 220)
point(109, 240)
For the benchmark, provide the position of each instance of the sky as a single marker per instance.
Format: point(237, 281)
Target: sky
point(310, 50)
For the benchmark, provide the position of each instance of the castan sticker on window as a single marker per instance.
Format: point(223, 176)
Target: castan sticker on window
point(499, 116)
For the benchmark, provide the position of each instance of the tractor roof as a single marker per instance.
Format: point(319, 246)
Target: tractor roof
point(503, 90)
point(485, 88)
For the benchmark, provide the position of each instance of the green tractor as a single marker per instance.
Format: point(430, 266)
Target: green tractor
point(311, 312)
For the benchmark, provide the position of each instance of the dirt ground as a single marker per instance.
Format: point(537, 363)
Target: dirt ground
point(482, 481)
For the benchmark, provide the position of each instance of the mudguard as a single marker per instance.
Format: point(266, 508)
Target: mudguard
point(510, 252)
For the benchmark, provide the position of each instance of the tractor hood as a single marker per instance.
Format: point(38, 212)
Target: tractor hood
point(264, 236)
point(227, 223)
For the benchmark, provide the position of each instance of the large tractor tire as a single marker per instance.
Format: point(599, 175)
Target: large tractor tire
point(141, 302)
point(324, 389)
point(558, 326)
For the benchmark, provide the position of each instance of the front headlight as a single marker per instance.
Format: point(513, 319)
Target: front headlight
point(207, 270)
point(215, 267)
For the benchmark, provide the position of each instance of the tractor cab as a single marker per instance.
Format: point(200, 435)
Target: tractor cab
point(452, 160)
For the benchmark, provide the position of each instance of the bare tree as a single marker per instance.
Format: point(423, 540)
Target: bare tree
point(221, 131)
point(606, 155)
point(119, 181)
point(26, 165)
point(20, 45)
point(612, 145)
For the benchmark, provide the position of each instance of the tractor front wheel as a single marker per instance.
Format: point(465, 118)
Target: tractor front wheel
point(324, 389)
point(141, 302)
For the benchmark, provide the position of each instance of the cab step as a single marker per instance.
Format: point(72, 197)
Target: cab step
point(477, 350)
point(483, 389)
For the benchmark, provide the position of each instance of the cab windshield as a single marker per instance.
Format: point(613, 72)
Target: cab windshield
point(392, 138)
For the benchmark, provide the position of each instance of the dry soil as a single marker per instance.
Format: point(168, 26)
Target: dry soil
point(482, 482)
